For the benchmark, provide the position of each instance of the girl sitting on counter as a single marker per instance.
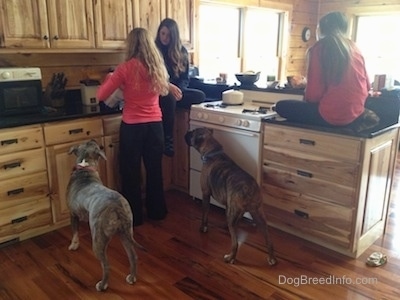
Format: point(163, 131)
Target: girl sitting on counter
point(337, 82)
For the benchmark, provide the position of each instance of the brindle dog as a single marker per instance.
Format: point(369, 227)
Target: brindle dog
point(107, 211)
point(230, 185)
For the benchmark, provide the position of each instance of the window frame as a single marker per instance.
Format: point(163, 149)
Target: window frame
point(284, 10)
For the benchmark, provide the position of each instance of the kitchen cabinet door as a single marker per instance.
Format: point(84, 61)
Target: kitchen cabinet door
point(113, 22)
point(149, 14)
point(23, 24)
point(71, 23)
point(182, 11)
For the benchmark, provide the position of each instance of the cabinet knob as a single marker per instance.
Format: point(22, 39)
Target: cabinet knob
point(46, 37)
point(56, 37)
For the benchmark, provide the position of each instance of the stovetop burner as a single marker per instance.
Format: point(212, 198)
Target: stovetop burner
point(261, 110)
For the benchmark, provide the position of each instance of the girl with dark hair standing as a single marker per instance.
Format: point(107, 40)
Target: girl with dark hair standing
point(176, 60)
point(337, 81)
point(142, 78)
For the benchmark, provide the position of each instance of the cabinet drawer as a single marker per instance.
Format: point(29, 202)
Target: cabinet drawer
point(19, 218)
point(111, 124)
point(22, 163)
point(330, 145)
point(293, 180)
point(69, 131)
point(307, 215)
point(312, 165)
point(21, 138)
point(23, 189)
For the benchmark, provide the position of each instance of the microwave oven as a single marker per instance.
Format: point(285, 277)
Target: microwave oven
point(20, 91)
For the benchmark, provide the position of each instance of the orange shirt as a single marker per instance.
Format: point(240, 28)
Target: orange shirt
point(342, 103)
point(141, 104)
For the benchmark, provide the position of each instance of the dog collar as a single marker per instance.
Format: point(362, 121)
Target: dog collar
point(80, 167)
point(209, 155)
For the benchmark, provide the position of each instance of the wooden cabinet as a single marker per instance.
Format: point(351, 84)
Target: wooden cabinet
point(111, 126)
point(59, 138)
point(180, 162)
point(327, 188)
point(41, 24)
point(113, 22)
point(23, 24)
point(24, 202)
point(149, 14)
point(67, 24)
point(183, 12)
point(71, 24)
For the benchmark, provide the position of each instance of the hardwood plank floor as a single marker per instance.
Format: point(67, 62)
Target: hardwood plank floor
point(182, 263)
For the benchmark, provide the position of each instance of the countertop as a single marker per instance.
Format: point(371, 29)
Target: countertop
point(73, 109)
point(213, 89)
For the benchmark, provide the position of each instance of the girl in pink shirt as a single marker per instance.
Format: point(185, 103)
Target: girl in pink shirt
point(142, 78)
point(337, 81)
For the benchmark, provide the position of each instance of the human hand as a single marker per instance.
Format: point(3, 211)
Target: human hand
point(175, 91)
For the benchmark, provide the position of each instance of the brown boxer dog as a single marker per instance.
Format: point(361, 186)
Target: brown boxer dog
point(230, 185)
point(107, 211)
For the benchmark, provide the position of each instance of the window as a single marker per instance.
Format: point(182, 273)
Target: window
point(236, 39)
point(378, 44)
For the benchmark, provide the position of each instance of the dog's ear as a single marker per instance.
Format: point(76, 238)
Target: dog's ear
point(73, 149)
point(101, 153)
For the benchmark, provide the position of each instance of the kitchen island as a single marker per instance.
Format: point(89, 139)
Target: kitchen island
point(329, 186)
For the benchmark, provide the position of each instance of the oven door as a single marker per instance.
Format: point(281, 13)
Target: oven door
point(244, 147)
point(20, 97)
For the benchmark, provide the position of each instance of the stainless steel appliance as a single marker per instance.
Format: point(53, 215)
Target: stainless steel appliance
point(20, 91)
point(238, 128)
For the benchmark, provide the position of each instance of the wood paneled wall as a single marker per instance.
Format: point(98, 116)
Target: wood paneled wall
point(344, 5)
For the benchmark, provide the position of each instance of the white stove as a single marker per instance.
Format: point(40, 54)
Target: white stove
point(246, 116)
point(238, 128)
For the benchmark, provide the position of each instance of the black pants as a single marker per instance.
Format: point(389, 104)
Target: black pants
point(137, 142)
point(301, 112)
point(308, 113)
point(168, 105)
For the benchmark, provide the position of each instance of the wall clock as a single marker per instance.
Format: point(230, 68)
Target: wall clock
point(306, 34)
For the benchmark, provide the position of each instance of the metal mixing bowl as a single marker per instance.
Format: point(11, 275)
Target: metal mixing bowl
point(248, 78)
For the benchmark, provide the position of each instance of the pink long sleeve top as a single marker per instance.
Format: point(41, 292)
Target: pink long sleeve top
point(141, 103)
point(342, 103)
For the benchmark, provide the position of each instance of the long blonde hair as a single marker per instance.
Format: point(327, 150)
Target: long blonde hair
point(140, 45)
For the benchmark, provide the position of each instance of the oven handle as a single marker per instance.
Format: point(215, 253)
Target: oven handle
point(223, 128)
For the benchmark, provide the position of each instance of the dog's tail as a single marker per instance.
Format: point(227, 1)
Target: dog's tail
point(137, 245)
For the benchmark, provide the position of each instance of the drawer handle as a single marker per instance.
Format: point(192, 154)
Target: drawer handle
point(307, 142)
point(9, 142)
point(19, 220)
point(76, 131)
point(301, 214)
point(12, 165)
point(304, 173)
point(15, 192)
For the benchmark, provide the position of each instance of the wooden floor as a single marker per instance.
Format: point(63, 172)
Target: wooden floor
point(182, 263)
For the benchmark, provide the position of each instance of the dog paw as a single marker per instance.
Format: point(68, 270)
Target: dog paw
point(73, 246)
point(130, 279)
point(272, 261)
point(228, 258)
point(100, 287)
point(204, 229)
